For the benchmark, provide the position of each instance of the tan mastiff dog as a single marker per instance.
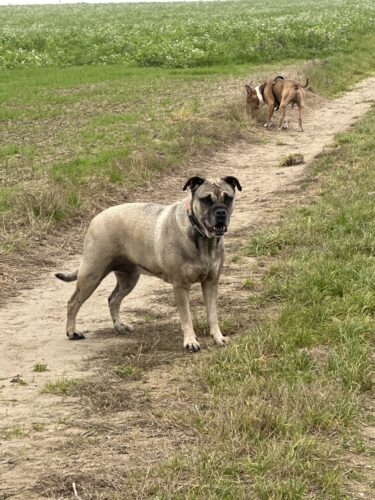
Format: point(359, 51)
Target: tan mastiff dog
point(277, 94)
point(181, 243)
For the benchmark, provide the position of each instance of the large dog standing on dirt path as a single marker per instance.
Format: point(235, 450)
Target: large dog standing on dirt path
point(181, 243)
point(277, 94)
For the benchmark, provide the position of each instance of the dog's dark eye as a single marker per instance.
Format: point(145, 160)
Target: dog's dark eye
point(207, 200)
point(227, 199)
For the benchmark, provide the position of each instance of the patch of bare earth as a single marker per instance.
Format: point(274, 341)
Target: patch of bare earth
point(96, 437)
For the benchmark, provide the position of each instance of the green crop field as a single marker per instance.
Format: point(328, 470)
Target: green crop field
point(180, 35)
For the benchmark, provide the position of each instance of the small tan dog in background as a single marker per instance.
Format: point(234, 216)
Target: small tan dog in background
point(277, 94)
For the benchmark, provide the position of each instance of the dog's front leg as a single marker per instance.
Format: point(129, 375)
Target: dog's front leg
point(181, 294)
point(209, 289)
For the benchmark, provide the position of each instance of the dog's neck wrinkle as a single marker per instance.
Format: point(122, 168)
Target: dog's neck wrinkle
point(196, 226)
point(206, 248)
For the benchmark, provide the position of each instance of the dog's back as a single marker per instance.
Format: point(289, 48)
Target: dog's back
point(280, 86)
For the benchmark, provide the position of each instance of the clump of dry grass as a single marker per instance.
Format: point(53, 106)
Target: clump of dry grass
point(291, 159)
point(87, 485)
point(108, 393)
point(34, 209)
point(235, 111)
point(43, 201)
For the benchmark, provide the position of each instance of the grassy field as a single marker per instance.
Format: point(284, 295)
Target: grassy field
point(180, 35)
point(78, 132)
point(279, 411)
point(95, 100)
point(74, 136)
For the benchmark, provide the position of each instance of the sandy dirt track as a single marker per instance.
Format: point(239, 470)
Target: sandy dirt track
point(32, 325)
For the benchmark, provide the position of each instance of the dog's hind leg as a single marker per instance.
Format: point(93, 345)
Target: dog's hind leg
point(86, 284)
point(283, 105)
point(300, 113)
point(270, 109)
point(126, 281)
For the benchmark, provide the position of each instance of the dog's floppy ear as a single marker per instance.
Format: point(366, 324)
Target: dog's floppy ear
point(248, 89)
point(233, 181)
point(193, 183)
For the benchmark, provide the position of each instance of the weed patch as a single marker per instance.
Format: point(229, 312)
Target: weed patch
point(16, 432)
point(62, 387)
point(40, 367)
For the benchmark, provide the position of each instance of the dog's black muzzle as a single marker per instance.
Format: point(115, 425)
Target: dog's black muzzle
point(220, 226)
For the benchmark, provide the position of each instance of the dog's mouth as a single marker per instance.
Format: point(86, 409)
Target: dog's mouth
point(217, 230)
point(220, 229)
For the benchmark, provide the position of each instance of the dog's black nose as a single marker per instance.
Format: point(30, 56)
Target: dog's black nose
point(221, 213)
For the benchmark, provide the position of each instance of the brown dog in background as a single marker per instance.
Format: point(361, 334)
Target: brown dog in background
point(277, 94)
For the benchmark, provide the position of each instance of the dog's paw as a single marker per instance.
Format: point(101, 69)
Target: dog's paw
point(192, 346)
point(300, 130)
point(221, 341)
point(75, 336)
point(122, 328)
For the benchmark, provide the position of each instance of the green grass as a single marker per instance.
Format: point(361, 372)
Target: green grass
point(99, 130)
point(128, 372)
point(61, 387)
point(38, 426)
point(40, 367)
point(16, 432)
point(337, 73)
point(180, 35)
point(281, 407)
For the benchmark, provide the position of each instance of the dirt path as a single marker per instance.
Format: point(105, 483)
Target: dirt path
point(32, 327)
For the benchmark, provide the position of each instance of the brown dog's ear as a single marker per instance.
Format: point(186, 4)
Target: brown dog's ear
point(248, 89)
point(193, 183)
point(233, 181)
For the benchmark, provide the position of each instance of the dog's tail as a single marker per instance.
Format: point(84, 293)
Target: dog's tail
point(298, 85)
point(67, 277)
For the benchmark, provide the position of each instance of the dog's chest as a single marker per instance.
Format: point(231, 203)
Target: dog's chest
point(156, 273)
point(208, 262)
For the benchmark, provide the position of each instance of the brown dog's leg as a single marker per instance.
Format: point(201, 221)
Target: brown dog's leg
point(181, 294)
point(300, 113)
point(86, 284)
point(270, 109)
point(125, 284)
point(285, 100)
point(282, 115)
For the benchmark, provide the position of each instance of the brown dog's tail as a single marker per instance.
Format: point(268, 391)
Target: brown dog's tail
point(67, 277)
point(298, 85)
